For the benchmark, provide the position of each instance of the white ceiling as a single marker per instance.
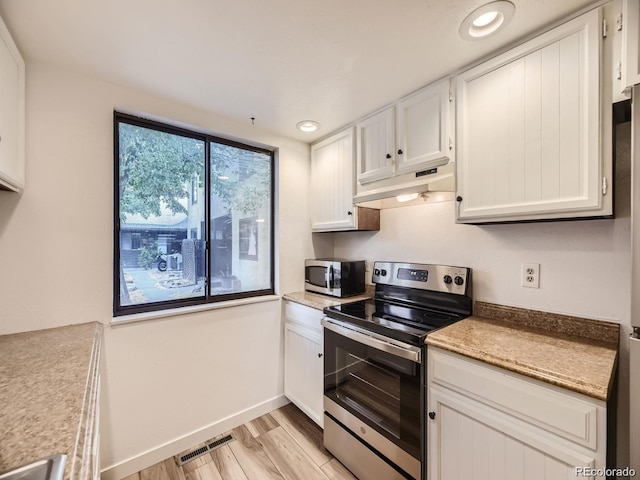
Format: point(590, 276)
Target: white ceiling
point(280, 61)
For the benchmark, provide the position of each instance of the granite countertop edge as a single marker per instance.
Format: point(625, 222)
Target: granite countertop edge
point(83, 458)
point(534, 347)
point(36, 367)
point(554, 378)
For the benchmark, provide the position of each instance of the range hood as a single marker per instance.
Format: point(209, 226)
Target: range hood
point(434, 185)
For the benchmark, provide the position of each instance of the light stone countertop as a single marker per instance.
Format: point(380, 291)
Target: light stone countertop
point(49, 384)
point(319, 301)
point(574, 353)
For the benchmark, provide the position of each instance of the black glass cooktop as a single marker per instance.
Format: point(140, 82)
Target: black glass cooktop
point(407, 323)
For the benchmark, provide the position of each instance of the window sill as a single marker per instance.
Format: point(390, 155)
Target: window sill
point(142, 317)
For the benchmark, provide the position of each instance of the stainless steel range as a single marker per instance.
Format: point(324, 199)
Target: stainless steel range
point(375, 367)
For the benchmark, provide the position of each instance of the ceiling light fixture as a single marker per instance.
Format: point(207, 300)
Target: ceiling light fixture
point(486, 20)
point(308, 126)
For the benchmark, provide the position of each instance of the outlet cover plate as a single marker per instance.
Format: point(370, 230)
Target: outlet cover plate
point(531, 275)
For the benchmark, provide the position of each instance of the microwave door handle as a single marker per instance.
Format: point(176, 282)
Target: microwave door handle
point(331, 278)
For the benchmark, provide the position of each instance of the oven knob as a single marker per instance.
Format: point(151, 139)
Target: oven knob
point(458, 280)
point(383, 272)
point(376, 271)
point(447, 279)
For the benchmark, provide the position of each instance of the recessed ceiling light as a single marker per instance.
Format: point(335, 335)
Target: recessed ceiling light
point(308, 126)
point(486, 20)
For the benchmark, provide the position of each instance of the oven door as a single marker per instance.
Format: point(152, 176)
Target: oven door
point(378, 381)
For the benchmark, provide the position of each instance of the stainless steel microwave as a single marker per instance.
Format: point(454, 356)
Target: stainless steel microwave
point(334, 276)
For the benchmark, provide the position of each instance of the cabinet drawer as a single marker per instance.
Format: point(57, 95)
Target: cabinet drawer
point(303, 315)
point(564, 413)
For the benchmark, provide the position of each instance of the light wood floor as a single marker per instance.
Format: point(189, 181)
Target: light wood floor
point(283, 444)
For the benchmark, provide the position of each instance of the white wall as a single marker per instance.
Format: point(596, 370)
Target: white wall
point(585, 266)
point(163, 379)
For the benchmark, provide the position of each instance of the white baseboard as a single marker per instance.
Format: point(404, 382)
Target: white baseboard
point(169, 449)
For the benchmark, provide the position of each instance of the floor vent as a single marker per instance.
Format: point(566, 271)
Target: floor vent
point(221, 441)
point(200, 451)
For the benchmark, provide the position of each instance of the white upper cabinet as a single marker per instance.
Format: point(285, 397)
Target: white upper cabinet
point(12, 123)
point(375, 146)
point(529, 130)
point(332, 187)
point(422, 129)
point(332, 182)
point(409, 136)
point(631, 43)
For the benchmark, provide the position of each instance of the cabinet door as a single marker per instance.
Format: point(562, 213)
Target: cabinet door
point(375, 147)
point(528, 130)
point(303, 364)
point(422, 129)
point(469, 440)
point(332, 185)
point(631, 42)
point(11, 113)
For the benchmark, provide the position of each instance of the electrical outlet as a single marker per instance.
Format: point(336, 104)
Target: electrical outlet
point(531, 275)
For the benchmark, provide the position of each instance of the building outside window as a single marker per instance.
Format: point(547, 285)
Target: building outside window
point(192, 211)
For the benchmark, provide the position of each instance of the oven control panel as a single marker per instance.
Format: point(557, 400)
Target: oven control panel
point(438, 278)
point(413, 274)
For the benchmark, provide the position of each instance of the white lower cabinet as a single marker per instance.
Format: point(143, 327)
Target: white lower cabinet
point(488, 423)
point(303, 359)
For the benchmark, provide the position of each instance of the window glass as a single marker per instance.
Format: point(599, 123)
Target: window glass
point(169, 212)
point(159, 261)
point(241, 202)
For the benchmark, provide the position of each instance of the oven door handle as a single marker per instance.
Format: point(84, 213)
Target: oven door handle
point(373, 340)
